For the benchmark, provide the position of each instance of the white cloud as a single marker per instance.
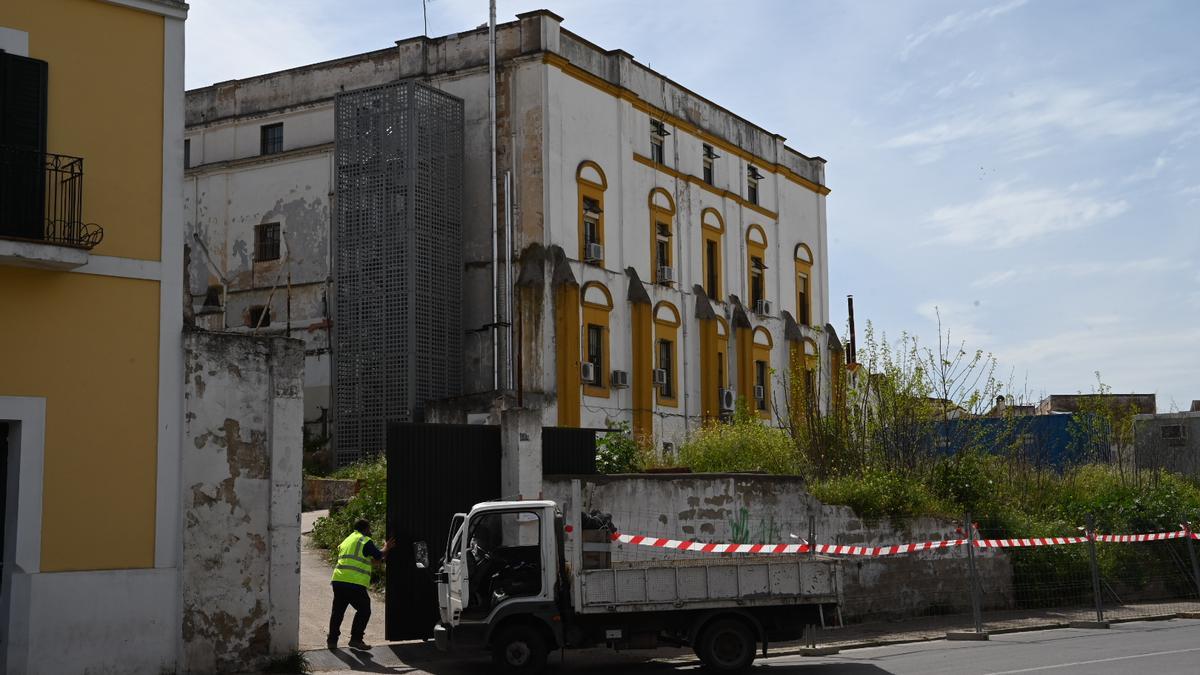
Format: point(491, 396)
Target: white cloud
point(1006, 217)
point(955, 23)
point(959, 320)
point(1149, 172)
point(972, 80)
point(1033, 118)
point(1193, 190)
point(1082, 269)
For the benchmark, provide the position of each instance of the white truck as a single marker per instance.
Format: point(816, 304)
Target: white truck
point(504, 584)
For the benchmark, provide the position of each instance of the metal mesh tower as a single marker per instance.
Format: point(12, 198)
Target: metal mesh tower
point(397, 312)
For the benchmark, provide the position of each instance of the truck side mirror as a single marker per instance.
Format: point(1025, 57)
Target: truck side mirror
point(421, 554)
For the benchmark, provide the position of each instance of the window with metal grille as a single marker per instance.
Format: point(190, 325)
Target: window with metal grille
point(665, 349)
point(709, 156)
point(662, 252)
point(271, 138)
point(752, 178)
point(656, 149)
point(1173, 432)
point(266, 242)
point(595, 352)
point(591, 221)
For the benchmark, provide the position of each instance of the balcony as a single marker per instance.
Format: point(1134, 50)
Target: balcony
point(41, 210)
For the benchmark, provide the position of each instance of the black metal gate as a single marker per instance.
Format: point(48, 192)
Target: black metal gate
point(435, 471)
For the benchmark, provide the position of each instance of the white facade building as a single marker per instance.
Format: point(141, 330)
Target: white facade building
point(696, 215)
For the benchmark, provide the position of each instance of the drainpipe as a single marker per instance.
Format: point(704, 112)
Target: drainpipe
point(495, 218)
point(508, 281)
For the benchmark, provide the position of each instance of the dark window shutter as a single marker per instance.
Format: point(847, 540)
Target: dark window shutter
point(22, 146)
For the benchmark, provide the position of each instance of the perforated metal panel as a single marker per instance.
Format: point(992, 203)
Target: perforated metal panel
point(397, 313)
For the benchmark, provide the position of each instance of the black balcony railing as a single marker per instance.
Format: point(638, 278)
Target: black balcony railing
point(41, 199)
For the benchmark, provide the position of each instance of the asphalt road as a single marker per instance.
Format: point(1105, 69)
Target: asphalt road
point(1159, 647)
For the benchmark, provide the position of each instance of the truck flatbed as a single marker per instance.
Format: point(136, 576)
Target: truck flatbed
point(710, 583)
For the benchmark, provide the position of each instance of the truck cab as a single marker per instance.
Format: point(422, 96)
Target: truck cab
point(499, 581)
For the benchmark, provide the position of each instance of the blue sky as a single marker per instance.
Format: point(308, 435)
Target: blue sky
point(1029, 168)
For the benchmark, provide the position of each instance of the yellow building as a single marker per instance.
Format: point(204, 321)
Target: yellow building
point(91, 164)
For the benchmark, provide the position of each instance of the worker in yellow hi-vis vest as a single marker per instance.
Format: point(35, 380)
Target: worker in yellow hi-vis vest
point(351, 578)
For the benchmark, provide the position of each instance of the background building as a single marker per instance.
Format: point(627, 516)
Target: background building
point(91, 299)
point(677, 248)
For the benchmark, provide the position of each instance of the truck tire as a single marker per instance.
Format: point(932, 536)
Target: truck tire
point(519, 648)
point(726, 646)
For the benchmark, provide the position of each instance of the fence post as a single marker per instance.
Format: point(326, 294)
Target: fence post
point(976, 599)
point(1091, 536)
point(1191, 548)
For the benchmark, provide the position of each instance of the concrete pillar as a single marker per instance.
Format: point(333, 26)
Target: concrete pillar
point(521, 454)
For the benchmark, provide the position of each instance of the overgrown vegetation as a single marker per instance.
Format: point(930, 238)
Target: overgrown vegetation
point(743, 444)
point(369, 503)
point(294, 663)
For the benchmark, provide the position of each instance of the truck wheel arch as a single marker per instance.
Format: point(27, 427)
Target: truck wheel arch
point(704, 620)
point(553, 640)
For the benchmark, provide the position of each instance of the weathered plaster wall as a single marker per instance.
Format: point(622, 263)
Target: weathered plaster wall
point(744, 508)
point(241, 480)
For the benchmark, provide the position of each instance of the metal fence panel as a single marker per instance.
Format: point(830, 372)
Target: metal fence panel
point(397, 263)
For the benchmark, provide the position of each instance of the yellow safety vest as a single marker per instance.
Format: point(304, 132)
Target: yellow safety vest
point(353, 566)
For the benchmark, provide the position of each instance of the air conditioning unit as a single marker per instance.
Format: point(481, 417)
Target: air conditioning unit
point(620, 379)
point(760, 393)
point(660, 376)
point(593, 252)
point(587, 372)
point(762, 307)
point(727, 399)
point(666, 274)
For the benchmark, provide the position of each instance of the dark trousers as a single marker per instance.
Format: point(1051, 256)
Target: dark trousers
point(356, 596)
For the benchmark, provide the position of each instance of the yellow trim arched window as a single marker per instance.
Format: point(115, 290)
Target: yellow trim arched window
point(722, 355)
point(591, 184)
point(666, 353)
point(662, 229)
point(756, 266)
point(597, 307)
point(760, 395)
point(712, 230)
point(804, 281)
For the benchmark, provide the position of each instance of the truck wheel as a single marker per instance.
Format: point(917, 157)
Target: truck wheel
point(519, 649)
point(726, 646)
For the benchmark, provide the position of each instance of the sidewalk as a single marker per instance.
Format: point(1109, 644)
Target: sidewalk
point(316, 596)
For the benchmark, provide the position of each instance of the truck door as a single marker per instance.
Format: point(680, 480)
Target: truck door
point(453, 588)
point(505, 559)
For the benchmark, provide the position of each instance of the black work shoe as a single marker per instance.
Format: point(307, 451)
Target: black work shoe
point(360, 645)
point(331, 643)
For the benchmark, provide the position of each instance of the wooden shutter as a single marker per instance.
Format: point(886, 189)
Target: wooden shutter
point(22, 146)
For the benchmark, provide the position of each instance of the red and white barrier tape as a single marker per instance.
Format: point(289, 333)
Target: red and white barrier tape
point(875, 551)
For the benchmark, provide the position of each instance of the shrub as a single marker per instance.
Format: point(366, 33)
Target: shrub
point(881, 493)
point(746, 444)
point(618, 452)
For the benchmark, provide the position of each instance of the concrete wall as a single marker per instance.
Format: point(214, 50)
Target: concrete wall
point(745, 508)
point(1153, 451)
point(241, 500)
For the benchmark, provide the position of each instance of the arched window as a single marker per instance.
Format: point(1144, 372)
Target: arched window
point(804, 265)
point(597, 306)
point(756, 267)
point(591, 184)
point(712, 229)
point(722, 355)
point(666, 354)
point(662, 229)
point(760, 399)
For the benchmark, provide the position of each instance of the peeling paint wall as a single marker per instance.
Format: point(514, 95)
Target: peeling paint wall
point(241, 482)
point(743, 508)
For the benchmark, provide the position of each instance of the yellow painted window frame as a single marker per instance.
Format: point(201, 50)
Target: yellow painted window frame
point(595, 314)
point(762, 353)
point(667, 330)
point(754, 250)
point(804, 267)
point(712, 229)
point(660, 214)
point(590, 189)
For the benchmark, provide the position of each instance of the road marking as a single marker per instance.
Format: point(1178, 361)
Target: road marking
point(1086, 663)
